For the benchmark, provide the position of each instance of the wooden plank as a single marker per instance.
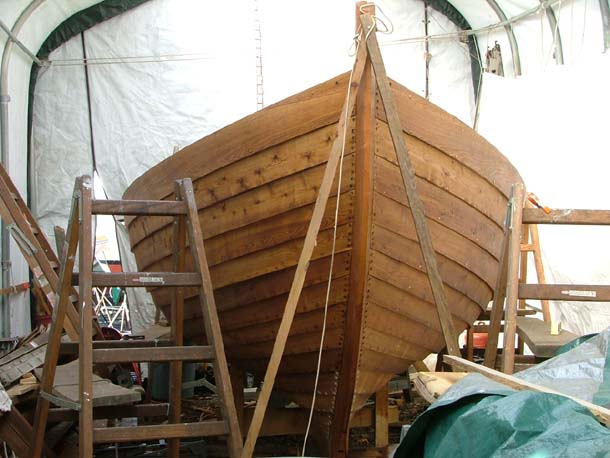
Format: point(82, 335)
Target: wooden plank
point(143, 279)
point(537, 335)
point(512, 275)
point(602, 414)
point(149, 432)
point(381, 418)
point(138, 207)
point(567, 216)
point(497, 308)
point(210, 319)
point(305, 257)
point(567, 292)
point(85, 353)
point(408, 177)
point(126, 355)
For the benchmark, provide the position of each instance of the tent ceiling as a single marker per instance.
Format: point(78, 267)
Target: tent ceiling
point(478, 14)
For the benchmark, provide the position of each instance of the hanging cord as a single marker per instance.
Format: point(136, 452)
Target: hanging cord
point(355, 45)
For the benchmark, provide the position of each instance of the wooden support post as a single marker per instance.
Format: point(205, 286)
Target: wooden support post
point(177, 326)
point(408, 176)
point(381, 418)
point(512, 288)
point(85, 354)
point(59, 320)
point(497, 308)
point(601, 413)
point(305, 257)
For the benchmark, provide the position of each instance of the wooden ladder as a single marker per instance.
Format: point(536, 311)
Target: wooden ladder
point(35, 248)
point(79, 234)
point(510, 286)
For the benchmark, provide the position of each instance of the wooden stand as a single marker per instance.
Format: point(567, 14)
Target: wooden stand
point(79, 232)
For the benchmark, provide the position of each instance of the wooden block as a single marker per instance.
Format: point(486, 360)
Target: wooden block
point(537, 335)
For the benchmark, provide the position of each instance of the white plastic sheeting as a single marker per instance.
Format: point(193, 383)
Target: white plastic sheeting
point(141, 112)
point(541, 121)
point(554, 129)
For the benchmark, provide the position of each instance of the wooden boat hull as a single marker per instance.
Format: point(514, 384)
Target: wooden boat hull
point(256, 182)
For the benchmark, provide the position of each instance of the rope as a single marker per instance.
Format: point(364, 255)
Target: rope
point(332, 256)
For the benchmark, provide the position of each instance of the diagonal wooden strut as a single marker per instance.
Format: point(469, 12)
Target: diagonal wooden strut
point(305, 257)
point(408, 177)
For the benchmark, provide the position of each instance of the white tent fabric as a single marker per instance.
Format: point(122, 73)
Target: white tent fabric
point(142, 111)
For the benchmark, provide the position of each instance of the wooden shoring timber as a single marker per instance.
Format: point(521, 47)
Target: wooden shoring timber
point(305, 257)
point(408, 176)
point(512, 273)
point(602, 414)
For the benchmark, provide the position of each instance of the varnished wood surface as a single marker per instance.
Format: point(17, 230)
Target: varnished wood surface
point(255, 184)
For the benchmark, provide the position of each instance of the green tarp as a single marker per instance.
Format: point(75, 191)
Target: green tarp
point(481, 418)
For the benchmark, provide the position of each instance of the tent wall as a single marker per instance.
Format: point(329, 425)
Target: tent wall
point(142, 111)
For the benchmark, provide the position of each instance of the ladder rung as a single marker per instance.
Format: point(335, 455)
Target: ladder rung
point(143, 279)
point(528, 247)
point(138, 207)
point(171, 431)
point(71, 348)
point(566, 216)
point(123, 411)
point(127, 355)
point(589, 293)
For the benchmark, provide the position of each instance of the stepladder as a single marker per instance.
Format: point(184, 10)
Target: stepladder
point(187, 241)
